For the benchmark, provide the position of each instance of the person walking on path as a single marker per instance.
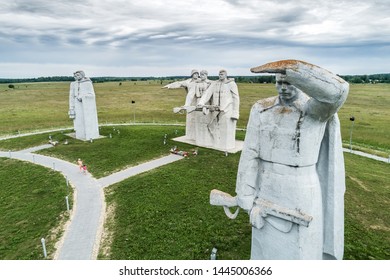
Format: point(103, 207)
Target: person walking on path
point(84, 168)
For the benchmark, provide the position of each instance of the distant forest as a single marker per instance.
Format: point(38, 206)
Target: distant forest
point(355, 79)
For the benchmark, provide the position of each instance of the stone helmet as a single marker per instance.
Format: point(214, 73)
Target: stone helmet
point(194, 71)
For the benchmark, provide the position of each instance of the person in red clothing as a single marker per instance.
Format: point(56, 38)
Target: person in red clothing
point(84, 168)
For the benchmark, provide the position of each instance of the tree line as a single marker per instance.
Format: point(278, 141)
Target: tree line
point(356, 79)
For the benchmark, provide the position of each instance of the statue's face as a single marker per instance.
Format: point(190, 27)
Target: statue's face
point(195, 75)
point(203, 76)
point(78, 76)
point(285, 89)
point(222, 75)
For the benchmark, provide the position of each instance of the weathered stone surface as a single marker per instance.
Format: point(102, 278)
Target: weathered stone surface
point(82, 107)
point(212, 109)
point(190, 86)
point(223, 99)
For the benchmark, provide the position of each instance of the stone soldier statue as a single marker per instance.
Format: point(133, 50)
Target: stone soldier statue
point(82, 107)
point(189, 85)
point(222, 94)
point(291, 172)
point(203, 135)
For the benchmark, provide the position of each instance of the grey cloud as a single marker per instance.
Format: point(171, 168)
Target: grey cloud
point(134, 33)
point(233, 2)
point(76, 41)
point(44, 7)
point(49, 39)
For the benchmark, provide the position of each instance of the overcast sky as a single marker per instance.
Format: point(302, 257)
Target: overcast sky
point(164, 38)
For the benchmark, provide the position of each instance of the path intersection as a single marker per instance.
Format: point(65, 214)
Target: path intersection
point(81, 238)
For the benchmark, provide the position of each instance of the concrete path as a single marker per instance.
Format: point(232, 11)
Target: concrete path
point(122, 175)
point(367, 155)
point(81, 239)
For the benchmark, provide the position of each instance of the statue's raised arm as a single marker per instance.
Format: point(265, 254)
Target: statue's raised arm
point(189, 85)
point(178, 84)
point(328, 91)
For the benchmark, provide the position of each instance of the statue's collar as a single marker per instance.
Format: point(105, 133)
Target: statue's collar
point(275, 101)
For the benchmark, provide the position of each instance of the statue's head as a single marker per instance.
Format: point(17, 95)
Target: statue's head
point(222, 74)
point(194, 74)
point(78, 75)
point(203, 75)
point(287, 91)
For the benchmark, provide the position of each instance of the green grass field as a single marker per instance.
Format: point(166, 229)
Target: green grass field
point(367, 205)
point(32, 207)
point(128, 146)
point(170, 206)
point(165, 214)
point(170, 216)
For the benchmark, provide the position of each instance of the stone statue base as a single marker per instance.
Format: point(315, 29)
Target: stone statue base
point(238, 144)
point(73, 135)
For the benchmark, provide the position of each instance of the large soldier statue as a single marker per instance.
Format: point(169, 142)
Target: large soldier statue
point(290, 177)
point(82, 107)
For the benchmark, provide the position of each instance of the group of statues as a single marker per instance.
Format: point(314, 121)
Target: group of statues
point(290, 177)
point(212, 109)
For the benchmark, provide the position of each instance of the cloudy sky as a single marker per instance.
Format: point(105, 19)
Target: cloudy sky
point(164, 38)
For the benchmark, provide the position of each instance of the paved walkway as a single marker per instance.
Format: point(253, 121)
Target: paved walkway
point(121, 175)
point(81, 239)
point(367, 155)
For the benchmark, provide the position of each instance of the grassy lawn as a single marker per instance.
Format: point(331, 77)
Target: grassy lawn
point(32, 207)
point(23, 142)
point(129, 146)
point(165, 214)
point(369, 104)
point(367, 206)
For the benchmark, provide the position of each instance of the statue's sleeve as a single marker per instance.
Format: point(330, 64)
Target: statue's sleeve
point(207, 95)
point(236, 101)
point(89, 91)
point(328, 91)
point(248, 167)
point(179, 84)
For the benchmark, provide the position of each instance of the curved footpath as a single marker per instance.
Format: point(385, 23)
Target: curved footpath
point(81, 239)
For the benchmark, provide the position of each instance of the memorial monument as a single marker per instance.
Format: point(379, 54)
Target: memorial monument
point(203, 135)
point(290, 176)
point(189, 85)
point(223, 98)
point(82, 107)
